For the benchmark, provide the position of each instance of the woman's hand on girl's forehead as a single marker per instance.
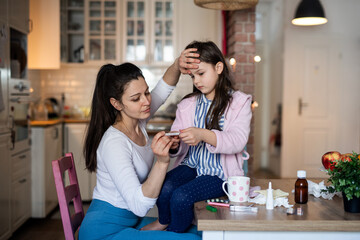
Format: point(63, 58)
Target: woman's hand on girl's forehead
point(188, 60)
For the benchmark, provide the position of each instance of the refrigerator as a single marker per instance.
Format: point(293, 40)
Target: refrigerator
point(5, 133)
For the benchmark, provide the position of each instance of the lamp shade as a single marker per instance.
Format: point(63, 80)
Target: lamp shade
point(309, 13)
point(226, 5)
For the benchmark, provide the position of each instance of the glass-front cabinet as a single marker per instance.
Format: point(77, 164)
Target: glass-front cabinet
point(149, 33)
point(163, 35)
point(89, 30)
point(136, 31)
point(94, 30)
point(102, 25)
point(72, 30)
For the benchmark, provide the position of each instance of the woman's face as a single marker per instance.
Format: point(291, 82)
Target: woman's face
point(136, 99)
point(205, 78)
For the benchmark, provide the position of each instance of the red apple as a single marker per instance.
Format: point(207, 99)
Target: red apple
point(346, 157)
point(330, 157)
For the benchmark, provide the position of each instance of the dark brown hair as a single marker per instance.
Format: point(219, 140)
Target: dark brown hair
point(110, 83)
point(210, 53)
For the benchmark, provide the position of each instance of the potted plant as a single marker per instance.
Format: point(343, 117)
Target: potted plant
point(344, 175)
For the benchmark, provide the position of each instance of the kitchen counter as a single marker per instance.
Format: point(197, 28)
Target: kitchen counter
point(50, 122)
point(321, 218)
point(43, 123)
point(154, 126)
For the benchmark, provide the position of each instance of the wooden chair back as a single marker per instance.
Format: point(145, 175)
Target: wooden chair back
point(68, 194)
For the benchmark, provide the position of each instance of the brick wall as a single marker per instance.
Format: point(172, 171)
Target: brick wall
point(240, 34)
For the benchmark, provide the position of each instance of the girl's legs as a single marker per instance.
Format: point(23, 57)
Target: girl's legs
point(174, 179)
point(184, 197)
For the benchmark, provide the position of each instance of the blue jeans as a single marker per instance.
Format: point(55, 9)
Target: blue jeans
point(181, 189)
point(104, 221)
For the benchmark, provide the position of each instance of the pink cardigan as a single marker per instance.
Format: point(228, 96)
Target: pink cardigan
point(230, 142)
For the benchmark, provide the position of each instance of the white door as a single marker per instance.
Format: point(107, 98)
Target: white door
point(312, 74)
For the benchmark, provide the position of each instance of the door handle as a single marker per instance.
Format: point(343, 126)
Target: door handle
point(301, 105)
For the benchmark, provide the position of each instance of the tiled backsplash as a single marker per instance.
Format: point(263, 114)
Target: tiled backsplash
point(77, 82)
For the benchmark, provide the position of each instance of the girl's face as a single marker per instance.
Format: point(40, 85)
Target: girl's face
point(136, 100)
point(205, 78)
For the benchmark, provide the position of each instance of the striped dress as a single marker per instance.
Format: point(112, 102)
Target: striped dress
point(199, 157)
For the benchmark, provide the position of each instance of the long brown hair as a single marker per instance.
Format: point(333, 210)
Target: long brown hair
point(210, 53)
point(110, 83)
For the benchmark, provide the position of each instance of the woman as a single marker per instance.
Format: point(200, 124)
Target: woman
point(117, 147)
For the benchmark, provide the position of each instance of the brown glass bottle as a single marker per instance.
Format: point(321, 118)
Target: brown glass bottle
point(301, 188)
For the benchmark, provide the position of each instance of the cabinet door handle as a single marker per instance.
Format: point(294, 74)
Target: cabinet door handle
point(55, 133)
point(22, 180)
point(30, 25)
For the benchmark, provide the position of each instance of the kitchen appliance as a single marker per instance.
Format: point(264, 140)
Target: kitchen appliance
point(19, 105)
point(5, 177)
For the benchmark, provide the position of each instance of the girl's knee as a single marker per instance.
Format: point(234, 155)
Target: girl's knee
point(181, 199)
point(166, 192)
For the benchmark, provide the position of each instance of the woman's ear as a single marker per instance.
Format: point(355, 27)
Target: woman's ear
point(219, 67)
point(116, 104)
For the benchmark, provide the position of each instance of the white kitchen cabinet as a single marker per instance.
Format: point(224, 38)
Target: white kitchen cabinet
point(74, 141)
point(99, 31)
point(5, 181)
point(46, 147)
point(90, 31)
point(149, 31)
point(45, 35)
point(19, 15)
point(20, 189)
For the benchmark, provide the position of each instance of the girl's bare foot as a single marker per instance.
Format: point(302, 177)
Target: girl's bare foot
point(155, 225)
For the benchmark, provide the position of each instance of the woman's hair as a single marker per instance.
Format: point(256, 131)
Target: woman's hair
point(210, 53)
point(110, 83)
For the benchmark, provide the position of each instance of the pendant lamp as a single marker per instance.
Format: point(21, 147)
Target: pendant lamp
point(226, 5)
point(309, 13)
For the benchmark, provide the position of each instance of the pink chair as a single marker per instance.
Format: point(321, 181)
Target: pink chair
point(66, 194)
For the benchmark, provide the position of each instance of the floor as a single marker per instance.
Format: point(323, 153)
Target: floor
point(51, 227)
point(43, 228)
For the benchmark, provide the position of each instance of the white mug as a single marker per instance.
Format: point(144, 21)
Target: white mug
point(238, 188)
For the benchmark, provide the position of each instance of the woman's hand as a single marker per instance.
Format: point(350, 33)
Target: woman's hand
point(188, 60)
point(192, 135)
point(160, 146)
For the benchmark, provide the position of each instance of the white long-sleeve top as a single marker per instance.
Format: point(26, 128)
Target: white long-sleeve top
point(122, 165)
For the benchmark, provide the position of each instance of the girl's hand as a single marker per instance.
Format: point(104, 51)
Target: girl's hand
point(160, 146)
point(188, 60)
point(176, 141)
point(191, 136)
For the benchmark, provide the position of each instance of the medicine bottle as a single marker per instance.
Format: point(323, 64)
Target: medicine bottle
point(301, 187)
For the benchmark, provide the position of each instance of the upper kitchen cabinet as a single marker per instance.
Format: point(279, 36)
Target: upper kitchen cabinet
point(72, 30)
point(44, 39)
point(101, 31)
point(19, 15)
point(3, 10)
point(148, 36)
point(90, 31)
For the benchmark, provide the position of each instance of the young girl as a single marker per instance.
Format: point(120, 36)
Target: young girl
point(214, 125)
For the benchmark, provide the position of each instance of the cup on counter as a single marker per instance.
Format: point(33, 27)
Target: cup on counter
point(237, 188)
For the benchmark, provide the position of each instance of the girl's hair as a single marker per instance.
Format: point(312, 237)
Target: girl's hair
point(110, 83)
point(210, 53)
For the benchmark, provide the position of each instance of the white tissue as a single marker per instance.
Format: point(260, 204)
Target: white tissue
point(278, 202)
point(315, 189)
